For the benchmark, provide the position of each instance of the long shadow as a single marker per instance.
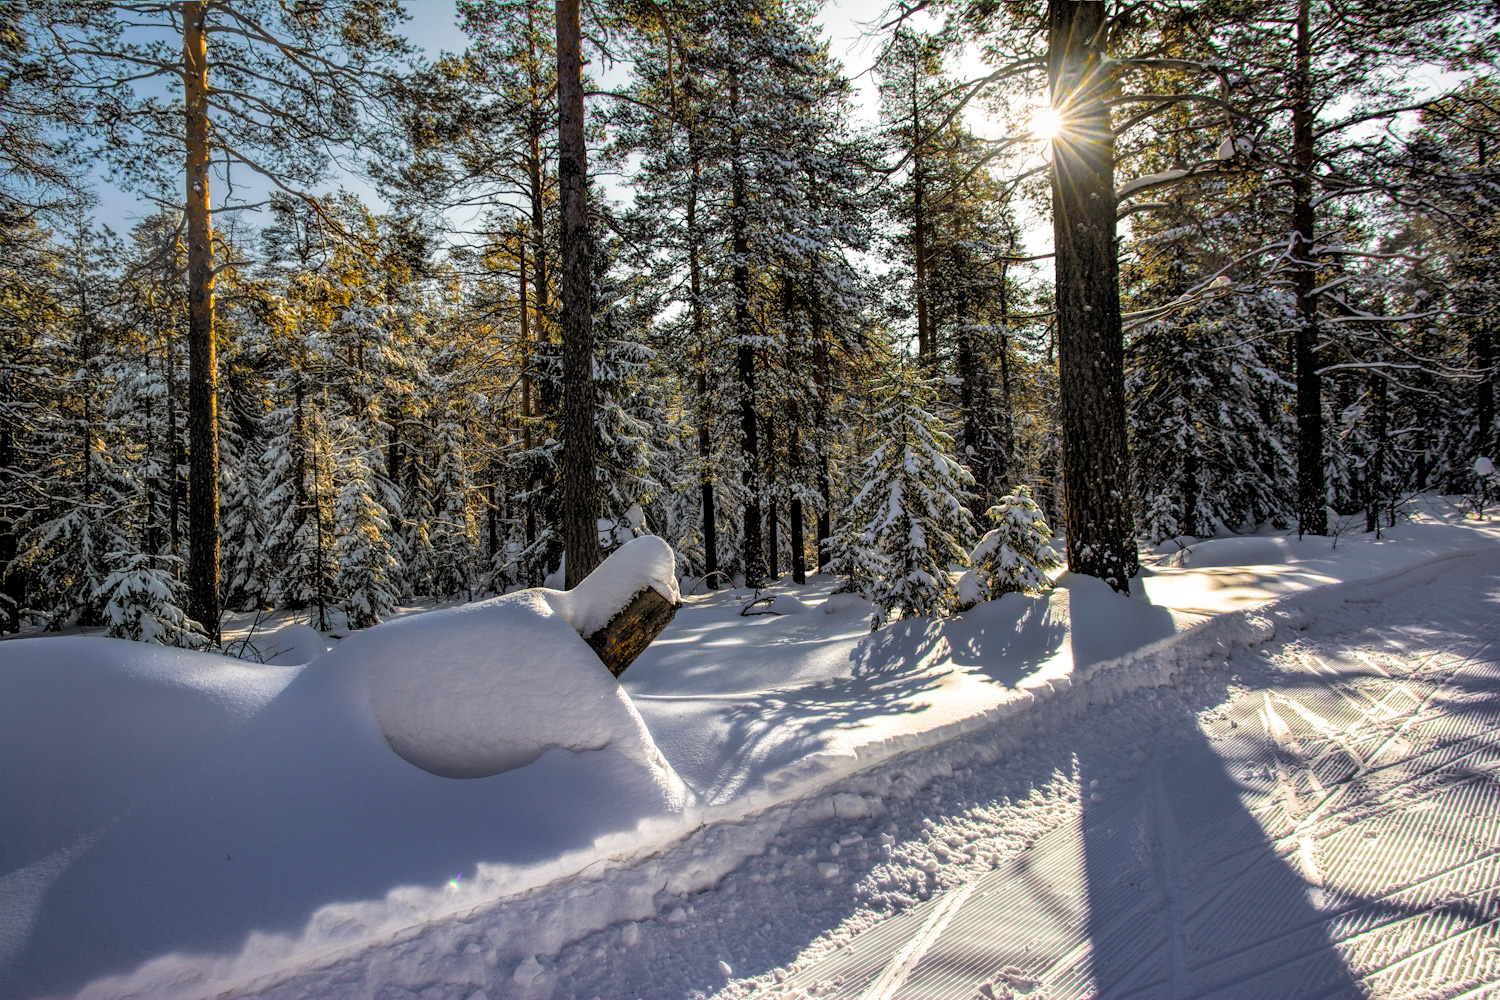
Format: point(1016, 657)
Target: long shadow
point(1186, 894)
point(757, 734)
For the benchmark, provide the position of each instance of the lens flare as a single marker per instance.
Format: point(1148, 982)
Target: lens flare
point(1046, 123)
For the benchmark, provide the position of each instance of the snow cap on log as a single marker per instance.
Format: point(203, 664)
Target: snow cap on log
point(624, 603)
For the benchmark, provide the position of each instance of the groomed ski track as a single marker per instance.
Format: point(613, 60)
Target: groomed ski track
point(1331, 828)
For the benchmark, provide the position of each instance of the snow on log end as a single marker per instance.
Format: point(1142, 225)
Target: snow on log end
point(639, 564)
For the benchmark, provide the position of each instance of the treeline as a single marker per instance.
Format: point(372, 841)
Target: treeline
point(813, 346)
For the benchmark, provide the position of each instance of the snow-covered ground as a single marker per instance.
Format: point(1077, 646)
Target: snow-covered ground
point(178, 824)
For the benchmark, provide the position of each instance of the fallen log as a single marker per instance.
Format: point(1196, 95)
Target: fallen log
point(625, 636)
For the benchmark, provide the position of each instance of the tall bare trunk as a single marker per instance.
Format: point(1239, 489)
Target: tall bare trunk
point(203, 415)
point(799, 544)
point(1096, 465)
point(919, 223)
point(1312, 498)
point(12, 590)
point(527, 410)
point(1487, 438)
point(705, 433)
point(755, 567)
point(580, 401)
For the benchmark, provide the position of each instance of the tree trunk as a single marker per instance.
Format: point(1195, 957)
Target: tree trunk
point(799, 544)
point(966, 364)
point(630, 631)
point(580, 489)
point(1007, 419)
point(705, 433)
point(1486, 440)
point(1096, 466)
point(1375, 470)
point(203, 416)
point(755, 567)
point(919, 224)
point(1312, 492)
point(12, 592)
point(527, 409)
point(773, 547)
point(825, 491)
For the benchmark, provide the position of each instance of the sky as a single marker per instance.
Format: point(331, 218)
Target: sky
point(848, 25)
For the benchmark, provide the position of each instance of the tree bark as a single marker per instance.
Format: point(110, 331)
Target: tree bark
point(755, 567)
point(705, 433)
point(12, 589)
point(1312, 492)
point(1096, 465)
point(527, 409)
point(1375, 470)
point(799, 544)
point(580, 489)
point(203, 416)
point(629, 632)
point(1007, 426)
point(1487, 440)
point(919, 222)
point(773, 545)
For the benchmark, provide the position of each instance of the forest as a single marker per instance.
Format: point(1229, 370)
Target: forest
point(641, 267)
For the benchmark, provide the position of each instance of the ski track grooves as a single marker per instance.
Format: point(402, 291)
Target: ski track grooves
point(1374, 774)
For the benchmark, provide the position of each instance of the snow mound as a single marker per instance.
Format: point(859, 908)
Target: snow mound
point(486, 688)
point(292, 645)
point(789, 604)
point(846, 601)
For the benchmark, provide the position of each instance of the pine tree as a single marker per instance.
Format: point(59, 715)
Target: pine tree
point(1012, 557)
point(142, 599)
point(361, 548)
point(901, 533)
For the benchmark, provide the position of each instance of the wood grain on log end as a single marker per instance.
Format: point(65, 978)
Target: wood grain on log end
point(630, 631)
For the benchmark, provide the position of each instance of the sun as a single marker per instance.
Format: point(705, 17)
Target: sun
point(1046, 123)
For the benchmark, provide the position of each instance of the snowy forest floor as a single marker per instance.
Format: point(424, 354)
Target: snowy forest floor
point(864, 804)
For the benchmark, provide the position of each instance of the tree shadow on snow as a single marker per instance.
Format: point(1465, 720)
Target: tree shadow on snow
point(1186, 893)
point(760, 733)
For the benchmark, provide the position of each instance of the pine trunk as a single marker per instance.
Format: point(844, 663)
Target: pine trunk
point(1096, 465)
point(1486, 439)
point(580, 490)
point(799, 544)
point(1312, 498)
point(773, 545)
point(12, 588)
point(755, 567)
point(1375, 473)
point(705, 435)
point(203, 417)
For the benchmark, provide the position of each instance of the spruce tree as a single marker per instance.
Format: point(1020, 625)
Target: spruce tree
point(902, 534)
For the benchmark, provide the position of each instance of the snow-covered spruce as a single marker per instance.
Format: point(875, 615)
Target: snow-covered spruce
point(143, 598)
point(1012, 558)
point(902, 529)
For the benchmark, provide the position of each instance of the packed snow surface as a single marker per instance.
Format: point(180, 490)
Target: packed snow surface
point(186, 825)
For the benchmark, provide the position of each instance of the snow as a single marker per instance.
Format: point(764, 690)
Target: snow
point(503, 681)
point(292, 645)
point(192, 825)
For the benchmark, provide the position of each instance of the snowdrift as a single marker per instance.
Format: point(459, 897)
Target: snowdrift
point(478, 690)
point(184, 825)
